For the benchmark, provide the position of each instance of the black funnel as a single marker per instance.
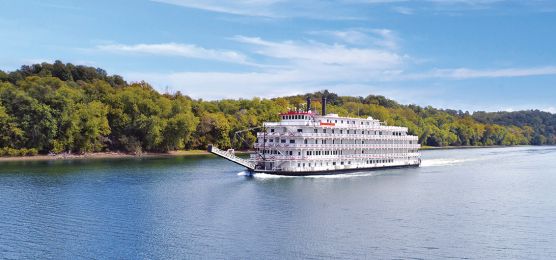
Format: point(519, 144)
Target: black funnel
point(323, 106)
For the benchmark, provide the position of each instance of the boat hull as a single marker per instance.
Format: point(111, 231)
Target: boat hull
point(332, 172)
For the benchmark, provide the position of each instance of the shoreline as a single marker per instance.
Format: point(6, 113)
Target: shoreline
point(425, 148)
point(107, 155)
point(118, 155)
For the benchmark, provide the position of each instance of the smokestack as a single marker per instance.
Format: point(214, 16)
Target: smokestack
point(323, 106)
point(308, 104)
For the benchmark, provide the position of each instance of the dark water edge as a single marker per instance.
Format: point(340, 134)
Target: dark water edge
point(466, 204)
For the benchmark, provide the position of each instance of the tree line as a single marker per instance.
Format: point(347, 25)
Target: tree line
point(55, 108)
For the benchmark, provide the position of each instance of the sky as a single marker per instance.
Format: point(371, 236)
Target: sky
point(471, 55)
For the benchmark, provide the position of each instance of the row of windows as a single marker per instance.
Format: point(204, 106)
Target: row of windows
point(299, 165)
point(341, 131)
point(364, 151)
point(294, 117)
point(334, 141)
point(347, 121)
point(325, 152)
point(336, 152)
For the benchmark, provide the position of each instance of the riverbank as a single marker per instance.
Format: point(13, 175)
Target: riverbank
point(424, 148)
point(107, 155)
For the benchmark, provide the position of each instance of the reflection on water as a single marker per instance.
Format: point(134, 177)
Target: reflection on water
point(470, 203)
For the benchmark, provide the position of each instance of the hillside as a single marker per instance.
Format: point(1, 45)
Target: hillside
point(69, 108)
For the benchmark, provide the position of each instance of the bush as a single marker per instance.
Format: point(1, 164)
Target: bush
point(8, 151)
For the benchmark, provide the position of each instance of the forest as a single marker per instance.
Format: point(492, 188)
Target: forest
point(58, 108)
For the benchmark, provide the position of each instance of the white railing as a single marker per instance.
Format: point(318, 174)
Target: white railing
point(339, 136)
point(336, 126)
point(337, 146)
point(274, 157)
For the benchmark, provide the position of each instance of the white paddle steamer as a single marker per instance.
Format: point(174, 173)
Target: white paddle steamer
point(306, 143)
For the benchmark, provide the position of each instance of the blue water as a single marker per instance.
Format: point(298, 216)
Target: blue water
point(465, 204)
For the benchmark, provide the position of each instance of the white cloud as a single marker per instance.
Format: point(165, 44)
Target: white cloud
point(330, 55)
point(550, 110)
point(383, 38)
point(403, 10)
point(466, 73)
point(176, 49)
point(291, 67)
point(340, 9)
point(237, 7)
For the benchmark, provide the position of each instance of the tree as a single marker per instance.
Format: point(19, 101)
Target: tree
point(92, 125)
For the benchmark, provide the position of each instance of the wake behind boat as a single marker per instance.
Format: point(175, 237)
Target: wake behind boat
point(306, 143)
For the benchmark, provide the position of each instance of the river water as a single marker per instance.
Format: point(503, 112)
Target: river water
point(465, 204)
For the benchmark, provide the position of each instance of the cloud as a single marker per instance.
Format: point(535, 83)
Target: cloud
point(237, 7)
point(317, 54)
point(176, 49)
point(293, 67)
point(383, 38)
point(466, 73)
point(550, 110)
point(403, 10)
point(341, 9)
point(350, 61)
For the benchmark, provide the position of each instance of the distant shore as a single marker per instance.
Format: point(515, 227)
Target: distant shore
point(424, 148)
point(106, 155)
